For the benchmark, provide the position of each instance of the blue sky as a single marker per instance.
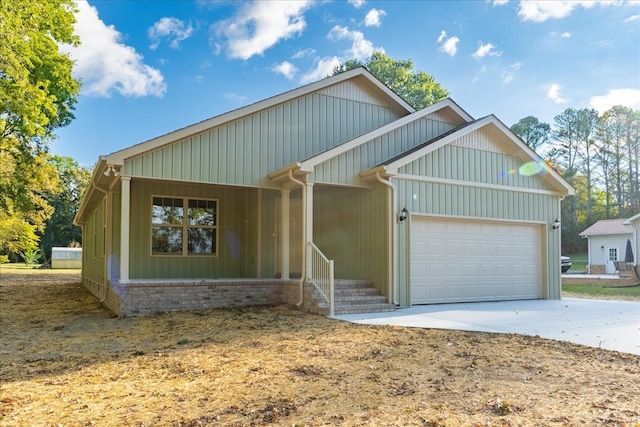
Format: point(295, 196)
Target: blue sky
point(151, 67)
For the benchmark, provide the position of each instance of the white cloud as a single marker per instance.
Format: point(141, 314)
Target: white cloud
point(234, 97)
point(632, 18)
point(625, 97)
point(554, 94)
point(449, 44)
point(508, 75)
point(171, 28)
point(357, 3)
point(285, 68)
point(304, 53)
point(566, 35)
point(259, 25)
point(541, 10)
point(373, 17)
point(484, 50)
point(361, 48)
point(323, 69)
point(105, 65)
point(500, 2)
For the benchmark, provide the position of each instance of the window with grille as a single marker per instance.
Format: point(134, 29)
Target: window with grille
point(184, 226)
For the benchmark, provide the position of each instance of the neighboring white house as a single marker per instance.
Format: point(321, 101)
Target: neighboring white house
point(608, 242)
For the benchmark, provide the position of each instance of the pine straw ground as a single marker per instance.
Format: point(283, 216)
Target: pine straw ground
point(65, 361)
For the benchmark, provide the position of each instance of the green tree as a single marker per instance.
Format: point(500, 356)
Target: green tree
point(74, 179)
point(37, 96)
point(37, 89)
point(533, 132)
point(416, 87)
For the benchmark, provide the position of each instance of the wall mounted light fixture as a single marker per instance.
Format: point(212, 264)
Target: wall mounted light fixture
point(403, 215)
point(556, 224)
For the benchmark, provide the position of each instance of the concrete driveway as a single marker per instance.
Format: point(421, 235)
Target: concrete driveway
point(612, 325)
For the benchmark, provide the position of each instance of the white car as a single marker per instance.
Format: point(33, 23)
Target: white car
point(565, 263)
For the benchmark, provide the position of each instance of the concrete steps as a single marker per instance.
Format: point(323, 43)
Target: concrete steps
point(351, 297)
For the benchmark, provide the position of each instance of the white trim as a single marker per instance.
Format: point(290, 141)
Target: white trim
point(308, 211)
point(309, 164)
point(125, 213)
point(435, 180)
point(342, 185)
point(259, 235)
point(477, 218)
point(119, 156)
point(284, 237)
point(392, 243)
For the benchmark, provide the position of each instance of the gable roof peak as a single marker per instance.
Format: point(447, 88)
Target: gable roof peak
point(359, 74)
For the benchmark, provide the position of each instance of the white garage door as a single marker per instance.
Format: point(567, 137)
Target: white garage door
point(463, 261)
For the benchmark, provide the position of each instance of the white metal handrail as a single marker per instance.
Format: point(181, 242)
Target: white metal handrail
point(321, 275)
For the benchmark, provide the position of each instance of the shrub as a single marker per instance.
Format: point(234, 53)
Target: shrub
point(32, 256)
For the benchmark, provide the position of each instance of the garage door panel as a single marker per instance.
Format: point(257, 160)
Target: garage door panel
point(474, 261)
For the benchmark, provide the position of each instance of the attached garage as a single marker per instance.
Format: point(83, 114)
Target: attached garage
point(460, 260)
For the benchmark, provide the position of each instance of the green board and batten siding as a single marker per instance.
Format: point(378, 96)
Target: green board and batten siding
point(93, 254)
point(237, 230)
point(245, 151)
point(531, 201)
point(350, 227)
point(346, 167)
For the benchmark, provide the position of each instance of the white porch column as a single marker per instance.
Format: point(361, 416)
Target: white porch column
point(125, 210)
point(284, 231)
point(308, 223)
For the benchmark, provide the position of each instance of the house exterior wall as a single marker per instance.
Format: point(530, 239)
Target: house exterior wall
point(462, 200)
point(93, 237)
point(597, 248)
point(237, 228)
point(245, 151)
point(469, 164)
point(345, 168)
point(350, 227)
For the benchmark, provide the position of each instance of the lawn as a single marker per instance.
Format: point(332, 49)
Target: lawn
point(598, 291)
point(579, 263)
point(65, 360)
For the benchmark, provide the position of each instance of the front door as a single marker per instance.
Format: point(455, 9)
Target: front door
point(611, 255)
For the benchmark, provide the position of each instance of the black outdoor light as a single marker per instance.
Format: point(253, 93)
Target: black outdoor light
point(403, 215)
point(556, 224)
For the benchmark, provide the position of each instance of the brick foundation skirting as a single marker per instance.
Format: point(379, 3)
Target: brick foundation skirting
point(146, 297)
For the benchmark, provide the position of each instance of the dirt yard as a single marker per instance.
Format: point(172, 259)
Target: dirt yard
point(65, 361)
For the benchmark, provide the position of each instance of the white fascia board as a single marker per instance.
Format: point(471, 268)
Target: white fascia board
point(118, 157)
point(309, 164)
point(98, 170)
point(630, 220)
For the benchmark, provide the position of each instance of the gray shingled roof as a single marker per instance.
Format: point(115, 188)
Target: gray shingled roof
point(608, 226)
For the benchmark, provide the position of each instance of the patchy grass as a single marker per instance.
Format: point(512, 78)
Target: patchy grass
point(64, 360)
point(23, 268)
point(599, 291)
point(579, 263)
